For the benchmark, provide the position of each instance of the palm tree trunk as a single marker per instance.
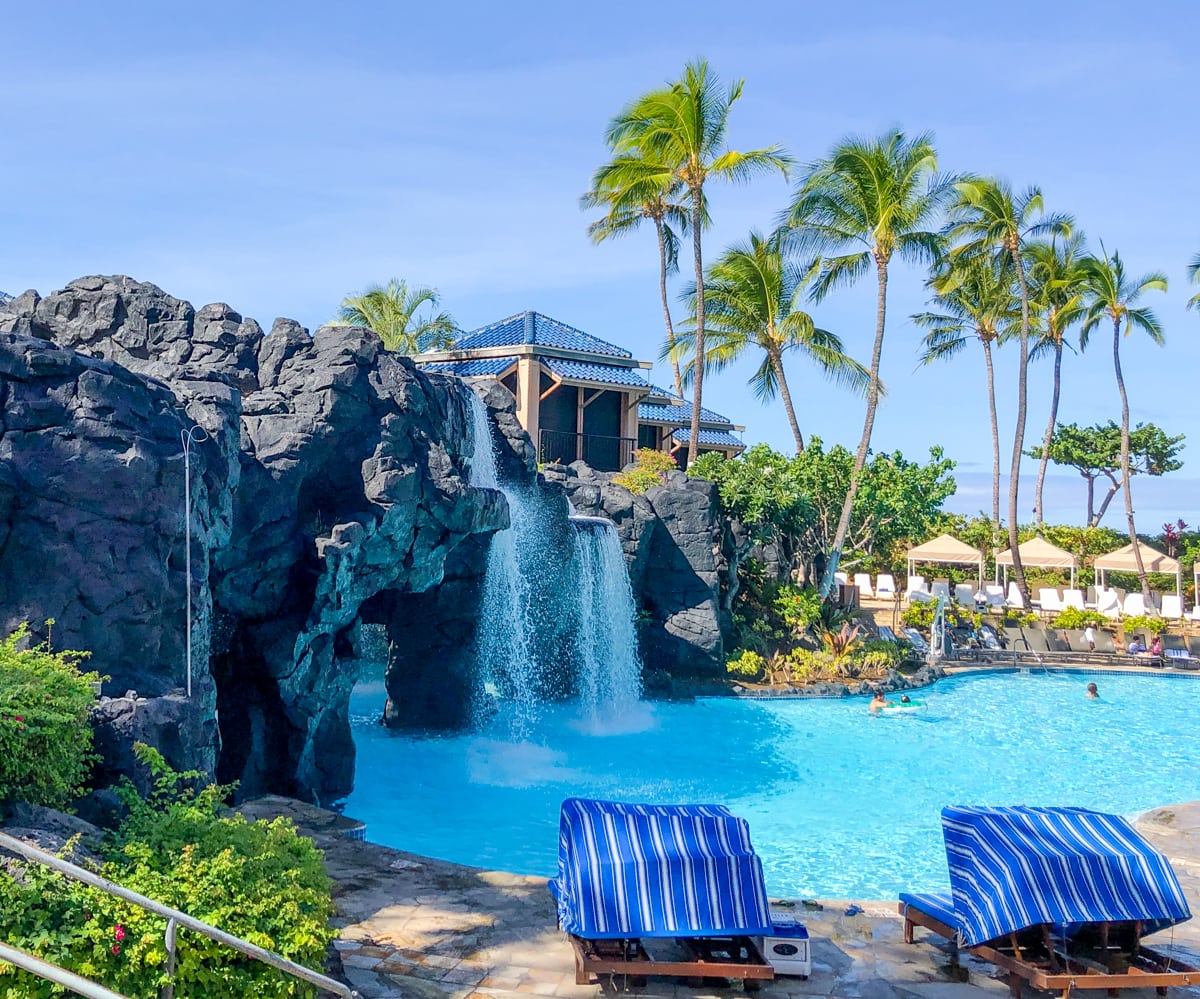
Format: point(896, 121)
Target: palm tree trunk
point(698, 370)
point(1133, 538)
point(864, 445)
point(1039, 513)
point(1014, 479)
point(1091, 517)
point(662, 284)
point(777, 365)
point(991, 385)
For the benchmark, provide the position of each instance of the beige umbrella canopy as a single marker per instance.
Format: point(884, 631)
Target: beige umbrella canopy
point(1040, 553)
point(946, 549)
point(1122, 560)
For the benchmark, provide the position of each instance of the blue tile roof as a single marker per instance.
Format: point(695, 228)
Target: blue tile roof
point(680, 415)
point(473, 368)
point(534, 328)
point(606, 374)
point(711, 437)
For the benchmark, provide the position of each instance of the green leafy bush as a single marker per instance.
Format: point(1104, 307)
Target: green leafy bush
point(1075, 619)
point(799, 608)
point(919, 614)
point(650, 469)
point(1140, 622)
point(749, 665)
point(893, 652)
point(807, 665)
point(258, 880)
point(45, 737)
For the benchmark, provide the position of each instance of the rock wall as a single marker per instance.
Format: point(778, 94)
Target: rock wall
point(672, 538)
point(328, 476)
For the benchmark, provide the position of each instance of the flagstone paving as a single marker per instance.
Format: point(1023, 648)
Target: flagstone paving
point(426, 929)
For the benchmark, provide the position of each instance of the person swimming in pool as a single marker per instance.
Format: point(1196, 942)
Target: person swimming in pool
point(905, 699)
point(1093, 691)
point(879, 702)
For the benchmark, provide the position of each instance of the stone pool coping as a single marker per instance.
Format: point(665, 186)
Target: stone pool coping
point(412, 926)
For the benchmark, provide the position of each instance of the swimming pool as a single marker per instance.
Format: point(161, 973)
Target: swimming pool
point(841, 804)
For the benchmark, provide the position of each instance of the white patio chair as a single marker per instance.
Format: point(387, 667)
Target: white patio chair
point(1108, 603)
point(964, 593)
point(917, 583)
point(885, 585)
point(995, 594)
point(1050, 600)
point(1194, 613)
point(841, 578)
point(863, 581)
point(1015, 600)
point(1134, 606)
point(1172, 606)
point(1074, 598)
point(940, 589)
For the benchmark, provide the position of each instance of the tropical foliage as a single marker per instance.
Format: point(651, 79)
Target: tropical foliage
point(673, 138)
point(45, 735)
point(258, 880)
point(649, 469)
point(754, 295)
point(393, 311)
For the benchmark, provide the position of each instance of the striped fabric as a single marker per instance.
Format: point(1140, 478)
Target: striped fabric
point(1011, 868)
point(627, 871)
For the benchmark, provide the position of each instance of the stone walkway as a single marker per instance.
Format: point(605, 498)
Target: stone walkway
point(427, 929)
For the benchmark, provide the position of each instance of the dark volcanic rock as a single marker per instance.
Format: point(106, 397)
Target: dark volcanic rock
point(325, 473)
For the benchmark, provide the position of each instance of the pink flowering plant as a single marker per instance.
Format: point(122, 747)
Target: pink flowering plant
point(45, 737)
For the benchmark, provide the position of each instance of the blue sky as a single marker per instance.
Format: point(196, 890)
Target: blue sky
point(278, 156)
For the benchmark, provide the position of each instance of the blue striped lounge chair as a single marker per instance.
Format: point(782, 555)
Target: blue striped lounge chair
point(1057, 897)
point(673, 890)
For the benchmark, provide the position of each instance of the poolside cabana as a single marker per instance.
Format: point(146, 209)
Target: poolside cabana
point(946, 550)
point(1039, 553)
point(1122, 560)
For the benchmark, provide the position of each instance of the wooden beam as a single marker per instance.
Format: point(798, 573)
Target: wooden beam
point(552, 389)
point(588, 400)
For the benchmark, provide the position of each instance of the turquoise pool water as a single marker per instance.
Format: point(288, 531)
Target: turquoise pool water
point(841, 804)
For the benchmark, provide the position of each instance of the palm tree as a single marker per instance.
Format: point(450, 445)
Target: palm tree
point(977, 302)
point(622, 188)
point(753, 294)
point(868, 201)
point(676, 135)
point(1057, 276)
point(1112, 294)
point(391, 311)
point(989, 219)
point(1194, 277)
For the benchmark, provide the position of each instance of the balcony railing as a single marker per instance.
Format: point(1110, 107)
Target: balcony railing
point(605, 454)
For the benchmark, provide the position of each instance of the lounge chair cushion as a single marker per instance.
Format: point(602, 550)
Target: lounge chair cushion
point(629, 870)
point(1015, 867)
point(939, 906)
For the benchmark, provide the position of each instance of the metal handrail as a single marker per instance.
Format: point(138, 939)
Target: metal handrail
point(175, 919)
point(53, 973)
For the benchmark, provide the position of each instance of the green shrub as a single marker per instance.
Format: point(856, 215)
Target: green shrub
point(1140, 622)
point(650, 469)
point(45, 737)
point(807, 665)
point(258, 880)
point(892, 652)
point(919, 614)
point(798, 607)
point(749, 665)
point(1075, 619)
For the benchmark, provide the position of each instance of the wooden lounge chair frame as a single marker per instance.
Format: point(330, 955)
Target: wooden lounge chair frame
point(1060, 972)
point(710, 957)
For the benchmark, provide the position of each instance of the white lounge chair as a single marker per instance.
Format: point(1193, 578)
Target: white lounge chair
point(1050, 600)
point(941, 589)
point(1172, 606)
point(841, 579)
point(964, 593)
point(863, 581)
point(1194, 613)
point(995, 594)
point(917, 583)
point(1073, 598)
point(885, 585)
point(1134, 606)
point(1015, 600)
point(1108, 603)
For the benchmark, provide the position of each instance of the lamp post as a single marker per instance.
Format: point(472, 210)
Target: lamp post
point(193, 435)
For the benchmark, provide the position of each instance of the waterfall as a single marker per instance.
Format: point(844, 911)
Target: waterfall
point(608, 667)
point(545, 619)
